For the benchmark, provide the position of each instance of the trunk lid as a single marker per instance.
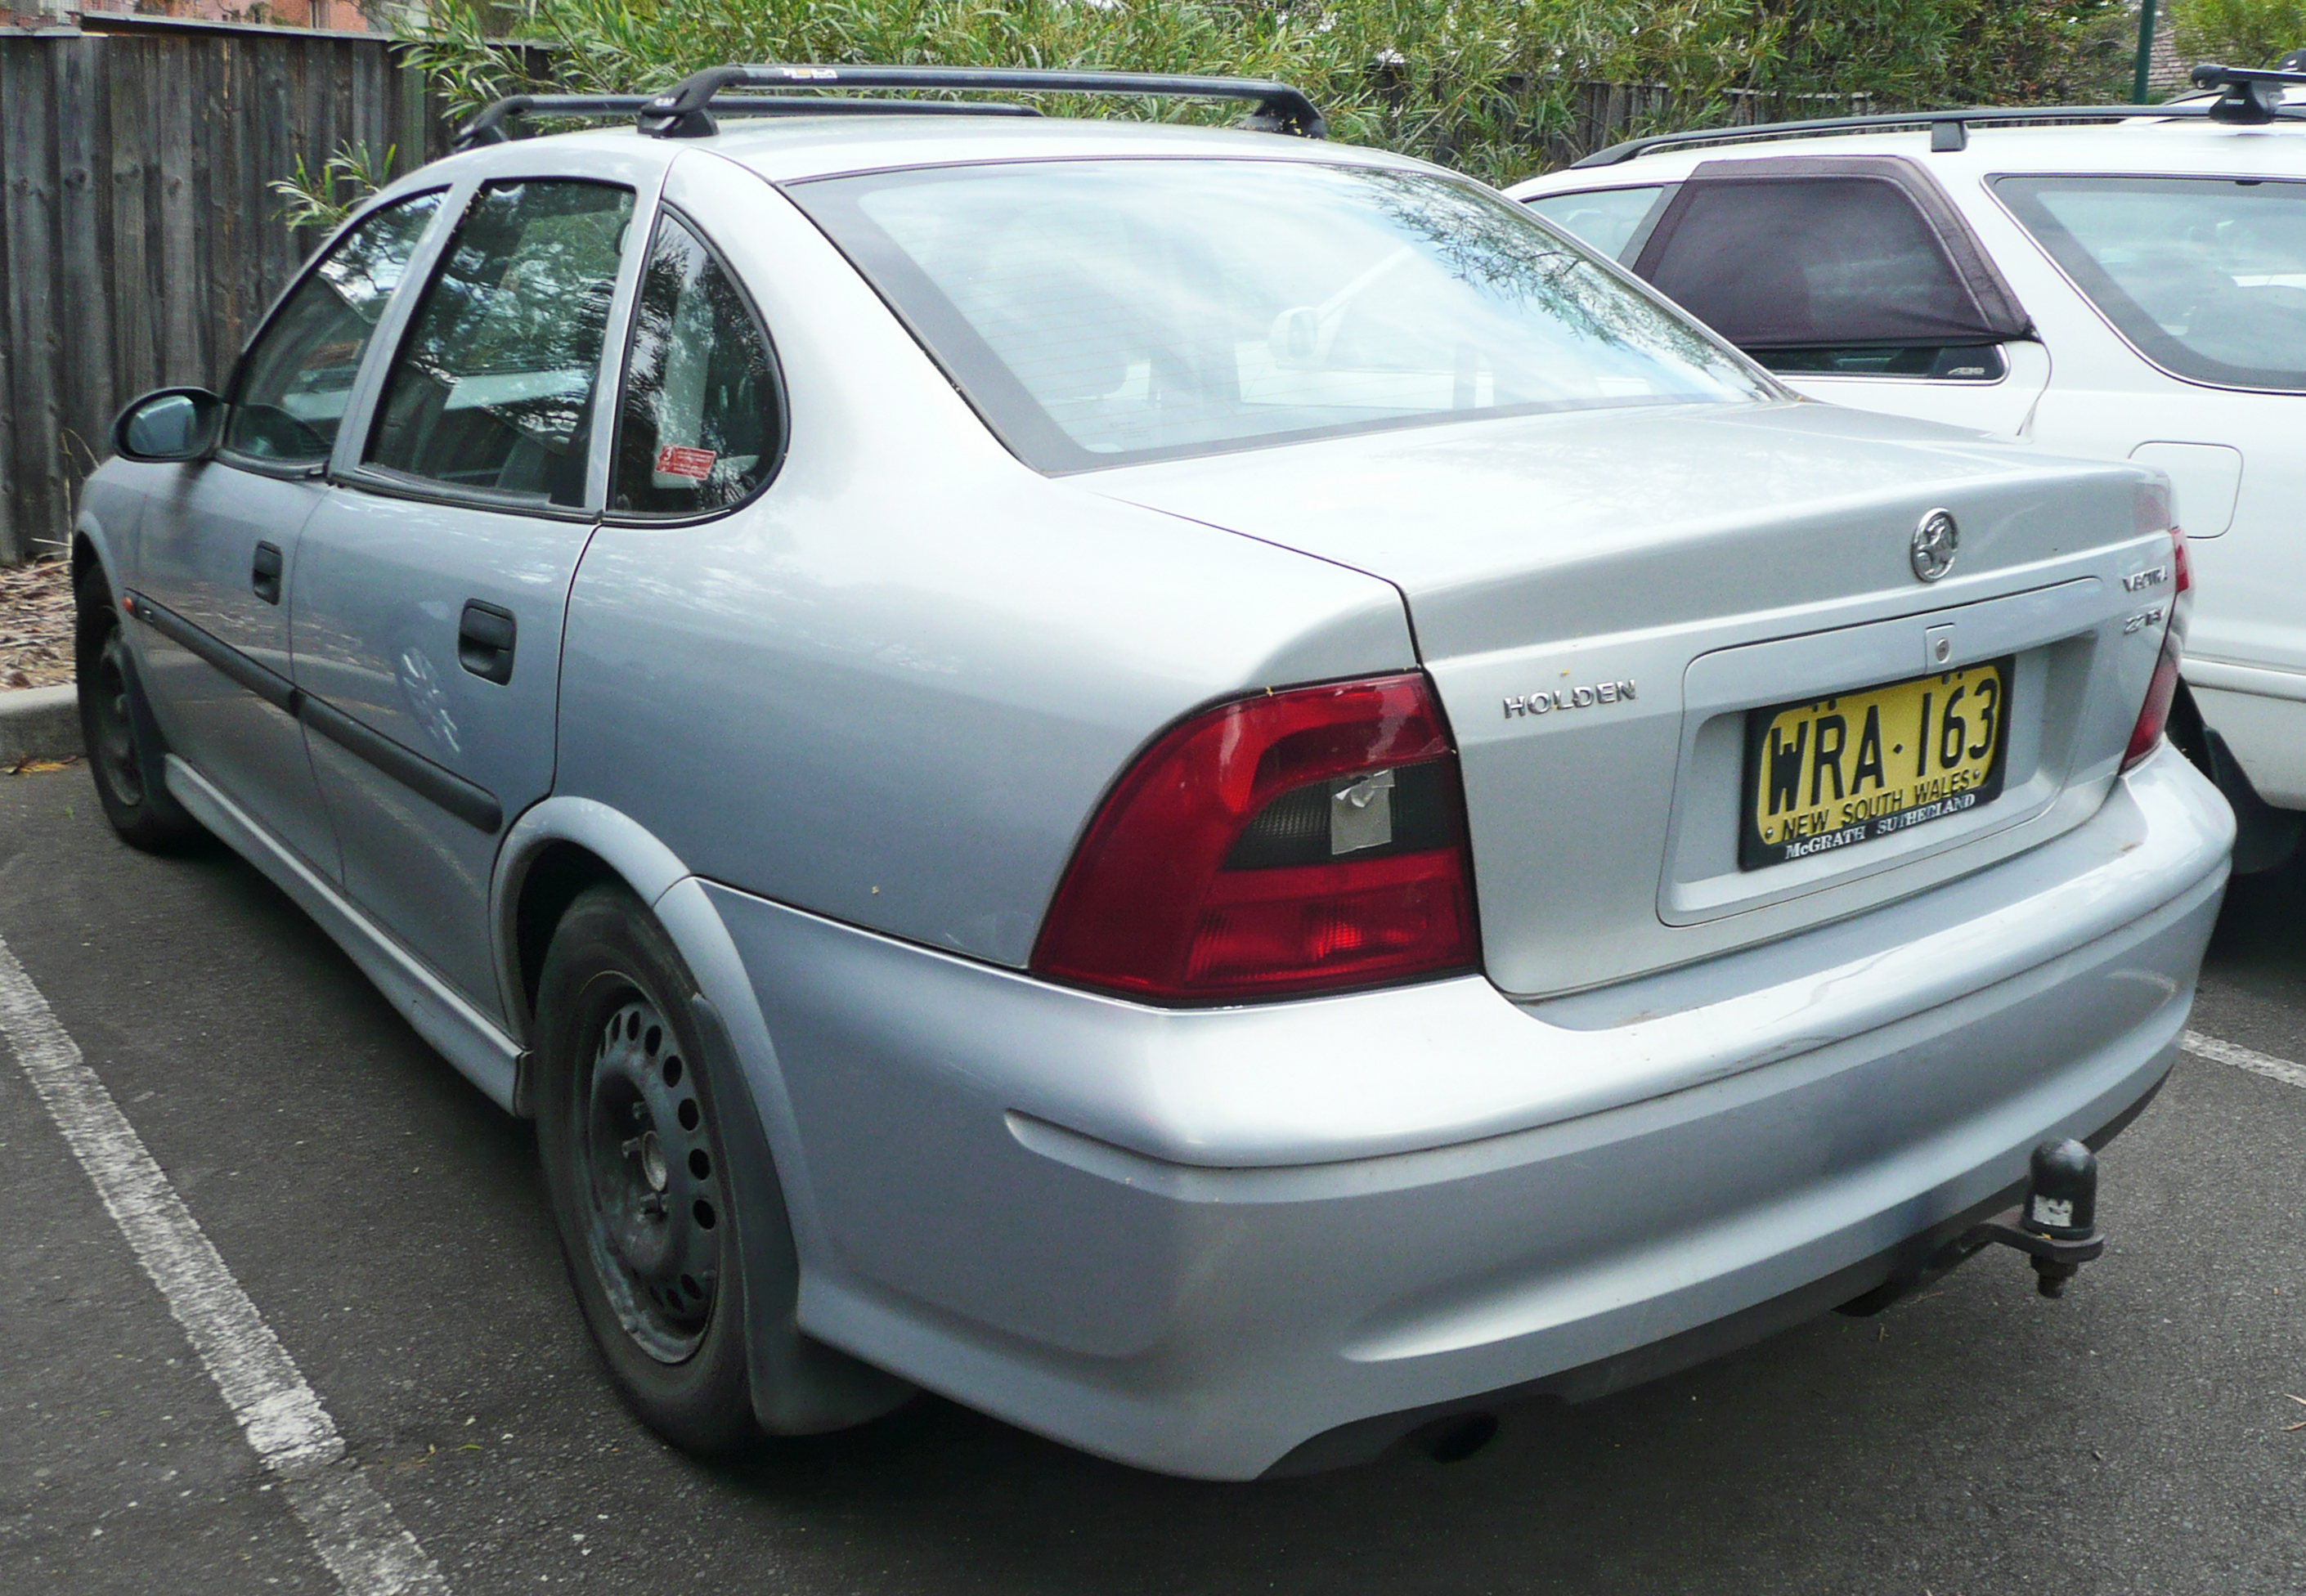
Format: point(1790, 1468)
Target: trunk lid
point(1603, 599)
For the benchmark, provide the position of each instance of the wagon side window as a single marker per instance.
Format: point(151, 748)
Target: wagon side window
point(1834, 266)
point(701, 421)
point(491, 391)
point(299, 372)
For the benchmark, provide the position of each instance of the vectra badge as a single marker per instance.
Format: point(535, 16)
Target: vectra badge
point(1935, 539)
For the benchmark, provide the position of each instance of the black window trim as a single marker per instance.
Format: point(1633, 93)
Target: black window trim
point(307, 470)
point(1972, 265)
point(2003, 375)
point(392, 483)
point(1993, 186)
point(610, 514)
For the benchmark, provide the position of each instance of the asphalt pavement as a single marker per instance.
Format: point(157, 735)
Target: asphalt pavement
point(388, 1224)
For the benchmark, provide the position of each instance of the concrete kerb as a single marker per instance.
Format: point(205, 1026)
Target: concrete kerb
point(38, 723)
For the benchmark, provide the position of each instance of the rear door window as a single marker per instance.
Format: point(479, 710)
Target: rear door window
point(1609, 220)
point(1826, 266)
point(2206, 276)
point(492, 389)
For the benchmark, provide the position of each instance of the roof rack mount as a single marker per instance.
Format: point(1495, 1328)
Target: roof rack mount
point(686, 110)
point(1948, 130)
point(2253, 95)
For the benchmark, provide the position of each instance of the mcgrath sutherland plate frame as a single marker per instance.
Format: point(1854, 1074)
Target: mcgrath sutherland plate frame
point(1885, 775)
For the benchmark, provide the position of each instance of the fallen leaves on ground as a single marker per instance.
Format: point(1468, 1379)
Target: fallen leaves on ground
point(36, 625)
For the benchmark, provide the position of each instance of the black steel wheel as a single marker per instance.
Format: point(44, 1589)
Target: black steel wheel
point(125, 754)
point(653, 1226)
point(633, 1157)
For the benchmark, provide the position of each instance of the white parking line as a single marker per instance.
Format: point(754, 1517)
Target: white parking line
point(352, 1528)
point(2243, 1058)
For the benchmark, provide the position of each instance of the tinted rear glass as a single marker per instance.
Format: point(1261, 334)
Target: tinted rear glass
point(2204, 276)
point(1099, 312)
point(1821, 261)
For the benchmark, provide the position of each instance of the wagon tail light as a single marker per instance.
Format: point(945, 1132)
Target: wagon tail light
point(2147, 735)
point(1303, 841)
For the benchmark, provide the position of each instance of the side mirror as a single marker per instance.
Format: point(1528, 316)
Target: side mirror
point(171, 424)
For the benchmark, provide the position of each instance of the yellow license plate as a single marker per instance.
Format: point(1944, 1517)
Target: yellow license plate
point(1832, 773)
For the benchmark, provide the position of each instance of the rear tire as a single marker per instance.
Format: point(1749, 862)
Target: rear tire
point(127, 756)
point(630, 1137)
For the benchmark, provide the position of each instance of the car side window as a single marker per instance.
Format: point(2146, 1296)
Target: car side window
point(701, 421)
point(1607, 220)
point(491, 391)
point(1827, 275)
point(298, 374)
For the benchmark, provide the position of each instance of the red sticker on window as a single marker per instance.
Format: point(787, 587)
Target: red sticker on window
point(676, 459)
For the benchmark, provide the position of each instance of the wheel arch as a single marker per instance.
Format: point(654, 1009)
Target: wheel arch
point(555, 851)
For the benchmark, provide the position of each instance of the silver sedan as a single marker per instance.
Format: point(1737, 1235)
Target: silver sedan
point(1208, 790)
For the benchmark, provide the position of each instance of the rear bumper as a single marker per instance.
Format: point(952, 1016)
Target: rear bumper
point(1193, 1241)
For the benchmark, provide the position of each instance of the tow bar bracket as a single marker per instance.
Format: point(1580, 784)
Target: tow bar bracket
point(2056, 1226)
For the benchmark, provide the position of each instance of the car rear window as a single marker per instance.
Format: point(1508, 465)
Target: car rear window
point(2206, 276)
point(1105, 312)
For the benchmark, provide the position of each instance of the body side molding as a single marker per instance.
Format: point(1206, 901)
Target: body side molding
point(469, 802)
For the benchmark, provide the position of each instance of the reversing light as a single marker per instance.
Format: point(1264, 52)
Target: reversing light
point(2154, 716)
point(1309, 840)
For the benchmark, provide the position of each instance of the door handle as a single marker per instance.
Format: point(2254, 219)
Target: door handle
point(484, 640)
point(264, 573)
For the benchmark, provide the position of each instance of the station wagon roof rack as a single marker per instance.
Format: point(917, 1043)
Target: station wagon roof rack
point(2253, 95)
point(685, 111)
point(1948, 130)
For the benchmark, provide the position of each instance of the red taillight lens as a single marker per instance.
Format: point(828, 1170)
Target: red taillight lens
point(2154, 717)
point(1300, 841)
point(2147, 735)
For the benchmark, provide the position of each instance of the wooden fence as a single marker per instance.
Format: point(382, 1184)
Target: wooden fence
point(139, 240)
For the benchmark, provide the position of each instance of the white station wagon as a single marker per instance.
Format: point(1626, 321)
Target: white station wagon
point(2127, 282)
point(1206, 790)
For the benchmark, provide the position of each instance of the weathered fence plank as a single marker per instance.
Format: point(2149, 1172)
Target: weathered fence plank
point(34, 333)
point(84, 218)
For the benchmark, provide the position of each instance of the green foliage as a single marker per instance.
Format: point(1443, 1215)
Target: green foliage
point(2238, 32)
point(1480, 84)
point(322, 199)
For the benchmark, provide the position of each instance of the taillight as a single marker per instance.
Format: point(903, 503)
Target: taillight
point(2154, 717)
point(1296, 842)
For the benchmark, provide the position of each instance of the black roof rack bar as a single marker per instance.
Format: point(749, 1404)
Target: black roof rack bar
point(2253, 94)
point(492, 125)
point(1932, 120)
point(682, 111)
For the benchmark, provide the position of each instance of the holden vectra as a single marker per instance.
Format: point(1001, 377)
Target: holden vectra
point(1209, 791)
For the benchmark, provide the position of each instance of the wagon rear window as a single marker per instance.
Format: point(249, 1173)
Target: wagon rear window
point(1099, 312)
point(2206, 276)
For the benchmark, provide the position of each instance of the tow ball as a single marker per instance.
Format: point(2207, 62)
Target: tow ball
point(2056, 1226)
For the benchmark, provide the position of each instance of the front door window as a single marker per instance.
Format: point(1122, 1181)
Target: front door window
point(299, 372)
